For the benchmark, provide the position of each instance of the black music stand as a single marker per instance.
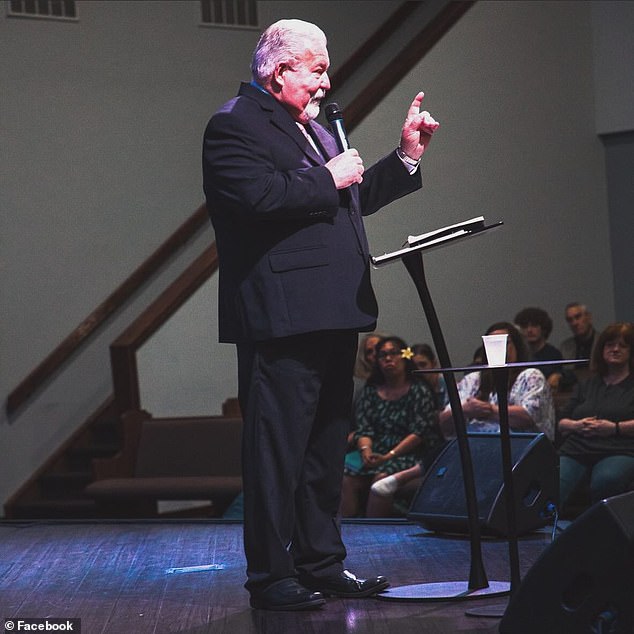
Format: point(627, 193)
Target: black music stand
point(501, 379)
point(477, 586)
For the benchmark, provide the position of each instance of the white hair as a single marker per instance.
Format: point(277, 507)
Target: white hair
point(583, 307)
point(285, 41)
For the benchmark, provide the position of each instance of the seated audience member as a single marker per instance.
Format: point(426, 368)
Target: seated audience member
point(530, 404)
point(366, 355)
point(424, 359)
point(396, 424)
point(597, 424)
point(479, 358)
point(536, 326)
point(580, 345)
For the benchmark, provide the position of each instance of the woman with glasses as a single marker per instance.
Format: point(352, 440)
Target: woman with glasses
point(597, 424)
point(396, 426)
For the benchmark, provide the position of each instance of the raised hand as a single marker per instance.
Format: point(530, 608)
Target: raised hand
point(417, 129)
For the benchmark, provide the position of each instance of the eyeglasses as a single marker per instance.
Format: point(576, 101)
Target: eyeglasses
point(384, 354)
point(618, 343)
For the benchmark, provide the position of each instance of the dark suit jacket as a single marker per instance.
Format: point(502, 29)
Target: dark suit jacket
point(292, 248)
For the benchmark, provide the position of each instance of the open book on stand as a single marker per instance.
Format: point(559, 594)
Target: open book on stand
point(436, 238)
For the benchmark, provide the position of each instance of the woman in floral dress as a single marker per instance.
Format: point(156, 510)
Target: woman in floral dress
point(396, 427)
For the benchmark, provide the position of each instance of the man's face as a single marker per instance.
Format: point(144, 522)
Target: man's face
point(303, 83)
point(533, 333)
point(579, 320)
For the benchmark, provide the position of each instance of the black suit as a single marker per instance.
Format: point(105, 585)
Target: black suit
point(294, 292)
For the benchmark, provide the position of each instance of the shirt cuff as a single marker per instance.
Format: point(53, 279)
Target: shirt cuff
point(409, 163)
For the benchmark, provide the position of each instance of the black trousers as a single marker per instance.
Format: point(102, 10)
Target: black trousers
point(295, 394)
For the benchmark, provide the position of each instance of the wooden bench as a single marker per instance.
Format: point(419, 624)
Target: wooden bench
point(166, 459)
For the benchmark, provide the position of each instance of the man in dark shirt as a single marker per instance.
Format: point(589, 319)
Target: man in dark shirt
point(579, 346)
point(536, 326)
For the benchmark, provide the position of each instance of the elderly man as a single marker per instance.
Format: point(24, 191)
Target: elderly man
point(294, 292)
point(580, 345)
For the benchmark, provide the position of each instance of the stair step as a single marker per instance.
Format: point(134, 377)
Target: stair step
point(80, 458)
point(65, 485)
point(57, 492)
point(106, 431)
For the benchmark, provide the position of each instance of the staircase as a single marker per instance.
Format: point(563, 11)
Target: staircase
point(56, 490)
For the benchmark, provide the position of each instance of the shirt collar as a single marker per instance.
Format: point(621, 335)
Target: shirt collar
point(259, 87)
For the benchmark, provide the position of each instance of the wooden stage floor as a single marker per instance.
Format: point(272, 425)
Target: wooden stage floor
point(187, 576)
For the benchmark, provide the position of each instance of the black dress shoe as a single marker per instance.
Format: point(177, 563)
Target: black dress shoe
point(346, 585)
point(286, 594)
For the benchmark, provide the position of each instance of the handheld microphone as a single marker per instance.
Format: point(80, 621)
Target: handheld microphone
point(335, 119)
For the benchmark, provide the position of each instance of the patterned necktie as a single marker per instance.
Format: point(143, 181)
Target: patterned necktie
point(305, 131)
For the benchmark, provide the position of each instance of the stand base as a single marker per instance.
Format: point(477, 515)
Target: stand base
point(443, 591)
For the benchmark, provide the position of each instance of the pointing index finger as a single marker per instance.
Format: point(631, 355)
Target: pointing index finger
point(414, 109)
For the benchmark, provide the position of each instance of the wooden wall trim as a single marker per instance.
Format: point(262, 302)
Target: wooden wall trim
point(410, 55)
point(350, 66)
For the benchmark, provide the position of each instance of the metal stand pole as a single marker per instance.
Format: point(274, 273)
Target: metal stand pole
point(477, 585)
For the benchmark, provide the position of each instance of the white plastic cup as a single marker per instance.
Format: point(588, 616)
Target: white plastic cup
point(495, 348)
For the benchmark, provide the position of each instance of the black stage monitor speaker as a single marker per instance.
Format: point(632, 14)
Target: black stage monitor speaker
point(439, 504)
point(584, 581)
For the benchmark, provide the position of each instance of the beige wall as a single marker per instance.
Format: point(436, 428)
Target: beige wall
point(100, 130)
